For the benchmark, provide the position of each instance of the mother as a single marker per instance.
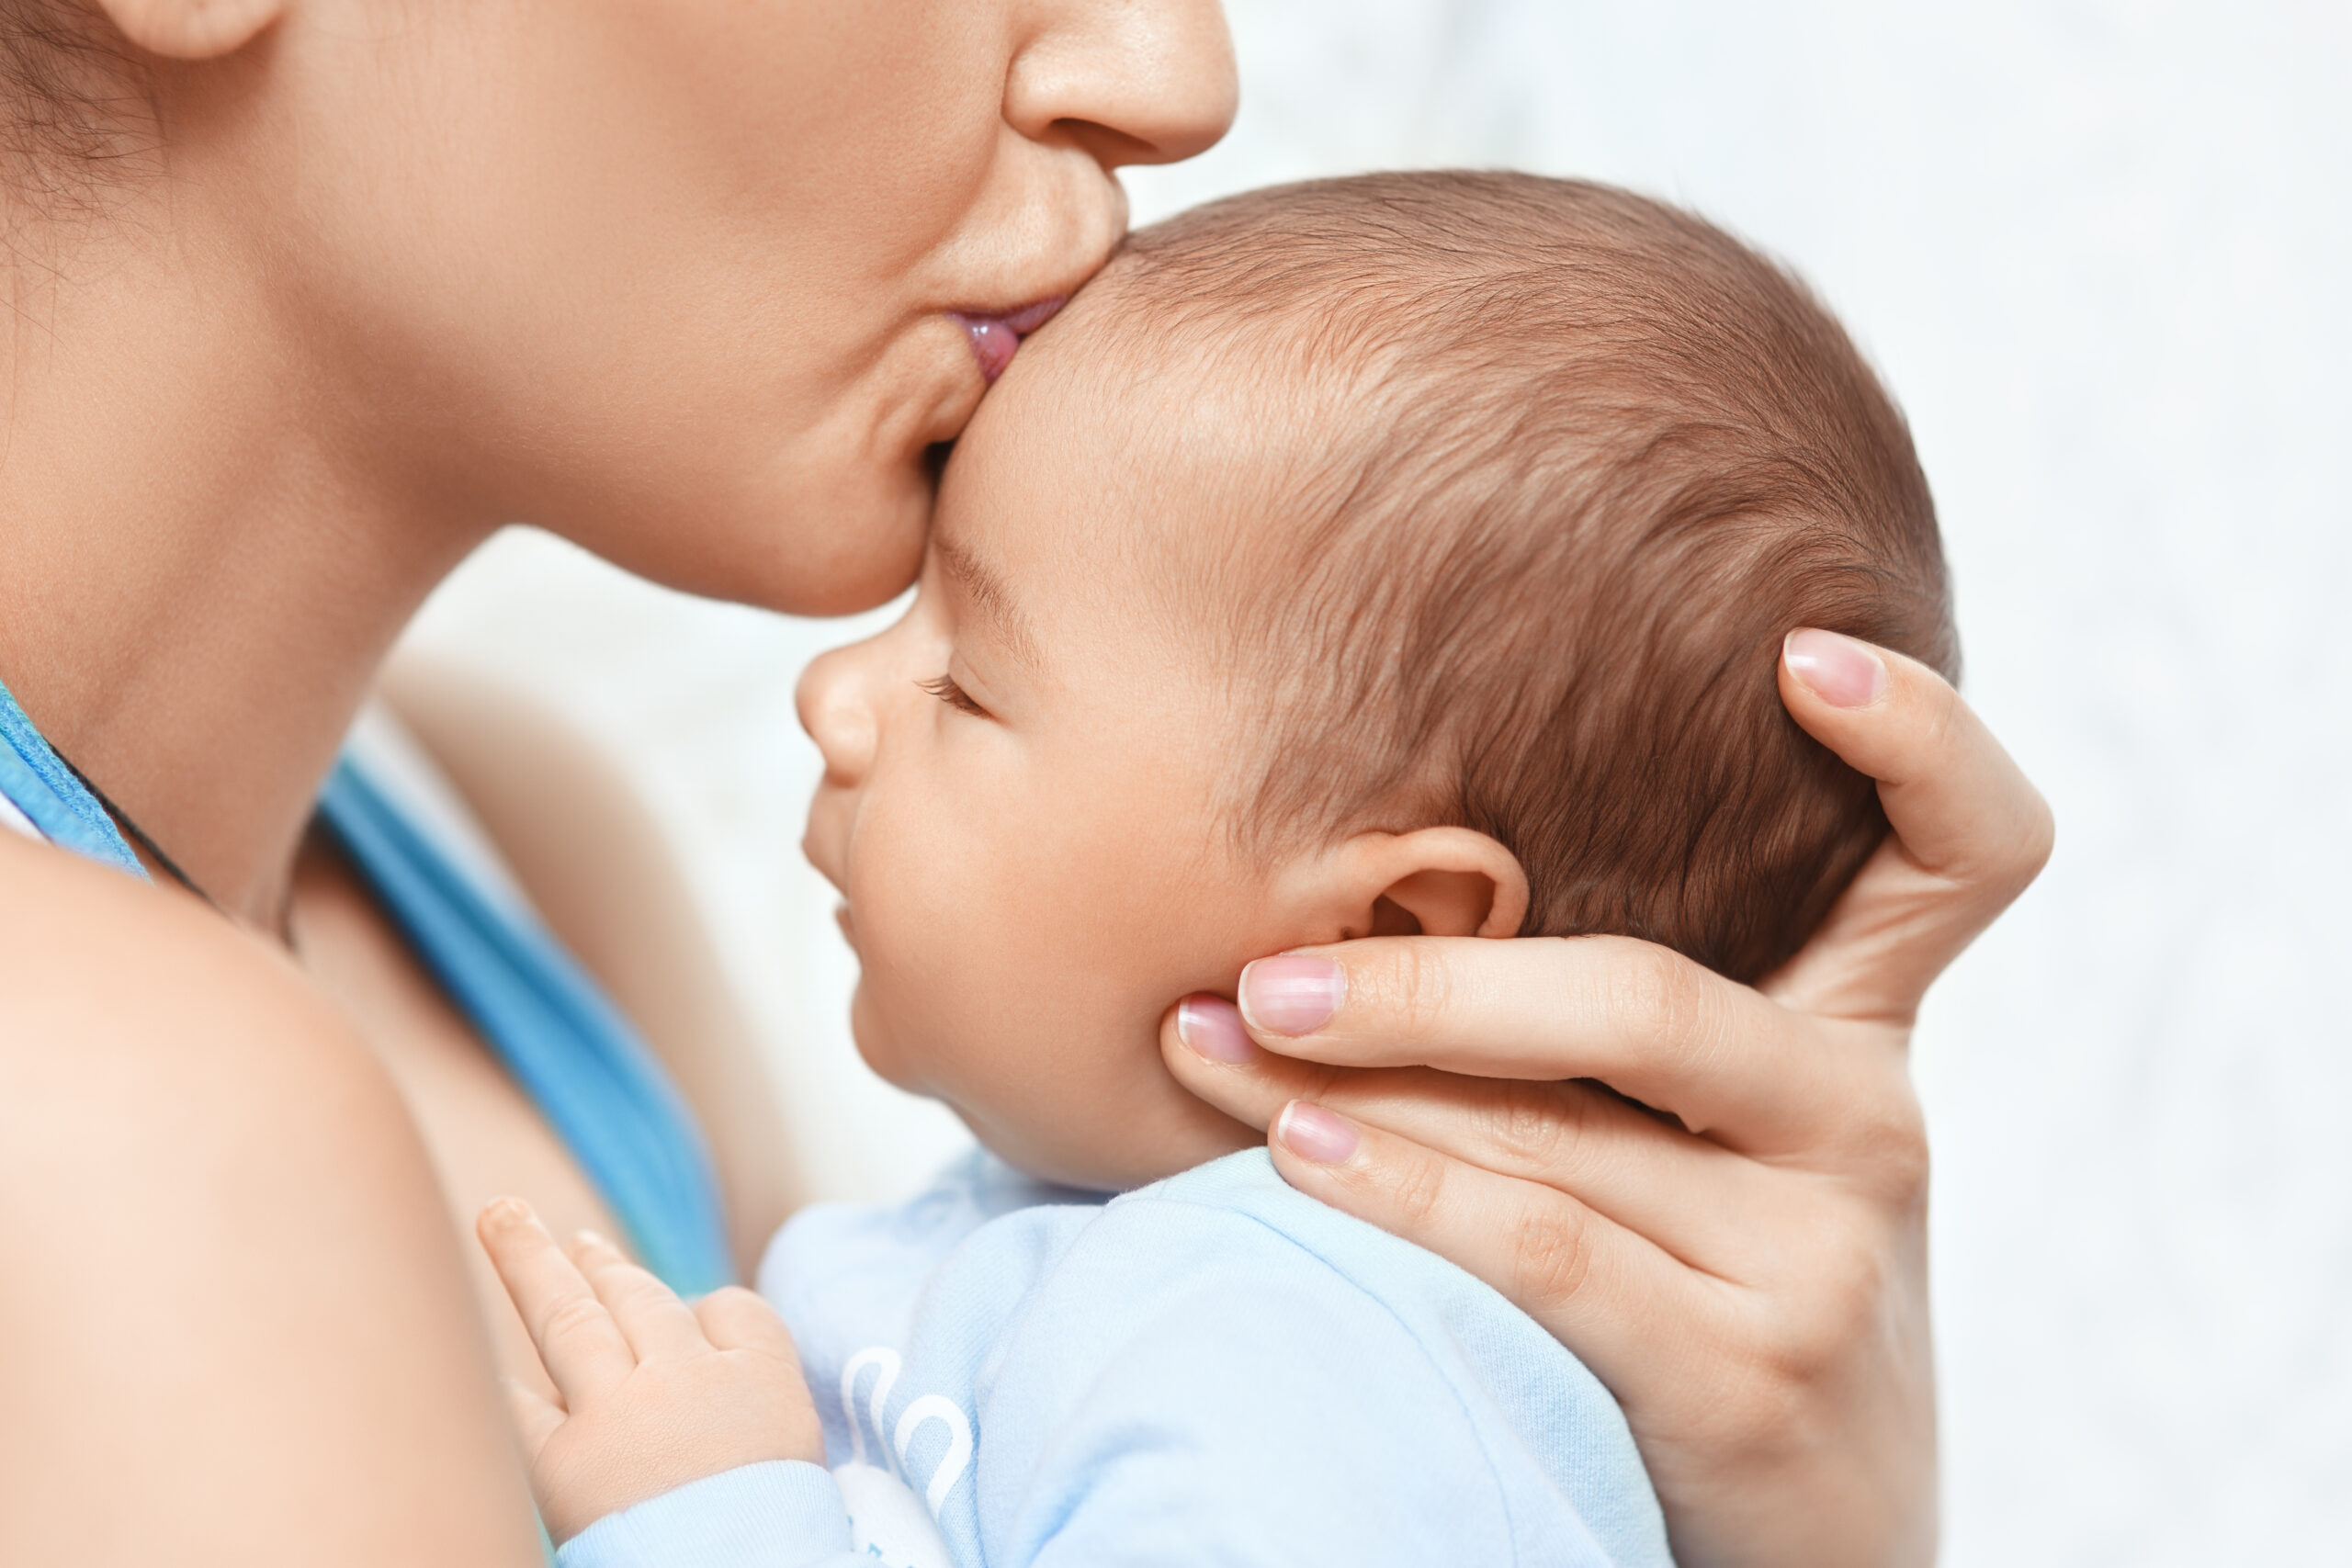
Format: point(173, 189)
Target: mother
point(311, 294)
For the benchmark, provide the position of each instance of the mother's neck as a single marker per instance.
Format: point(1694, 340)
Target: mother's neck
point(204, 552)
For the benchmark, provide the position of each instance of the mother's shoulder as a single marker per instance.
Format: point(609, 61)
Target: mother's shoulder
point(103, 977)
point(218, 1217)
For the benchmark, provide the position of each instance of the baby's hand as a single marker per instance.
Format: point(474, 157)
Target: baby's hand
point(656, 1394)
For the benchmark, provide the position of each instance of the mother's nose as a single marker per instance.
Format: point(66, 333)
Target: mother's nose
point(1134, 81)
point(836, 709)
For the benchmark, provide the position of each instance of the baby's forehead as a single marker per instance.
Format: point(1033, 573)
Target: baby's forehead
point(1116, 443)
point(1147, 429)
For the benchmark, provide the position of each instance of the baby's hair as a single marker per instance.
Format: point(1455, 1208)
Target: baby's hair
point(1597, 458)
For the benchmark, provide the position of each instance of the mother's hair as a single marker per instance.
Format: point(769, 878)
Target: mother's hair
point(74, 106)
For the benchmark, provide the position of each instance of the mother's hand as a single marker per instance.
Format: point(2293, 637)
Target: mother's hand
point(1747, 1270)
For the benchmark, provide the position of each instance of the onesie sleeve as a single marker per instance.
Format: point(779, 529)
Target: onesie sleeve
point(781, 1514)
point(1249, 1408)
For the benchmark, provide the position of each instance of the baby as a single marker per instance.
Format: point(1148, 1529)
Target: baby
point(1402, 554)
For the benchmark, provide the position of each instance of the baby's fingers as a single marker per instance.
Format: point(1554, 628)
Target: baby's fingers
point(536, 1416)
point(765, 1361)
point(581, 1347)
point(650, 1314)
point(737, 1319)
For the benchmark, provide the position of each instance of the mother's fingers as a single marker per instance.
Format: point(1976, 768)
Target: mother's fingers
point(1599, 1289)
point(1970, 832)
point(1696, 1199)
point(1208, 1050)
point(1641, 1018)
point(577, 1338)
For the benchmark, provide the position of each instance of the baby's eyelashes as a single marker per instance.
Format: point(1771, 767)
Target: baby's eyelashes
point(944, 688)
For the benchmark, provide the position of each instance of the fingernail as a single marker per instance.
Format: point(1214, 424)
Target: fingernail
point(504, 1211)
point(1211, 1026)
point(1314, 1133)
point(1839, 670)
point(1296, 993)
point(589, 1238)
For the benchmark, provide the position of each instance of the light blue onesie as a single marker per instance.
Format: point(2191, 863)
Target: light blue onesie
point(1211, 1370)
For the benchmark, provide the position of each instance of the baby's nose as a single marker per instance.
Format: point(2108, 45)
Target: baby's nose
point(831, 702)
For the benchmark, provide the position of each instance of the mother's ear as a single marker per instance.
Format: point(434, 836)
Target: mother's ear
point(1431, 881)
point(192, 29)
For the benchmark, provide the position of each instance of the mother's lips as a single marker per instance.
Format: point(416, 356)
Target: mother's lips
point(994, 338)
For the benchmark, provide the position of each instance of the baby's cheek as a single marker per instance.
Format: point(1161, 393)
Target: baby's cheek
point(1019, 948)
point(944, 934)
point(902, 941)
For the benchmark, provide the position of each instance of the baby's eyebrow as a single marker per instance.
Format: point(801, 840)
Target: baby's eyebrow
point(987, 591)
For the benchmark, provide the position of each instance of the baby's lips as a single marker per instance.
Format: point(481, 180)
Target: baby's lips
point(995, 338)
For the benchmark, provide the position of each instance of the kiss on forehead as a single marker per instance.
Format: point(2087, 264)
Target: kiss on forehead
point(1250, 624)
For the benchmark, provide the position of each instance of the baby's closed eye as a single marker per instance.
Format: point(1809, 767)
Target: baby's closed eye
point(944, 688)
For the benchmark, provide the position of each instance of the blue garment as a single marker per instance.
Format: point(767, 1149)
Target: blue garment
point(1214, 1368)
point(555, 1030)
point(544, 1017)
point(53, 799)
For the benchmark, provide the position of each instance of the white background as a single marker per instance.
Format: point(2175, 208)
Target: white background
point(2101, 252)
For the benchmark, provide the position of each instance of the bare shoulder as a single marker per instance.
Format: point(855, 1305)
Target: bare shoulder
point(93, 963)
point(599, 868)
point(124, 1005)
point(228, 1272)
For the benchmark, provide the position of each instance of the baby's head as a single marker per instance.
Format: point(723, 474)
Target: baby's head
point(1403, 553)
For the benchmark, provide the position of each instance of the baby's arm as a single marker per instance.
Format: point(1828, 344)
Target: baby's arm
point(657, 1395)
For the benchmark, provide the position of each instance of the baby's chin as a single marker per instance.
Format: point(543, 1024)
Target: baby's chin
point(1164, 1131)
point(877, 1045)
point(1110, 1156)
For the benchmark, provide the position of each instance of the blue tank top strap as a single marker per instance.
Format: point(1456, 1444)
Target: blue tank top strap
point(52, 799)
point(565, 1043)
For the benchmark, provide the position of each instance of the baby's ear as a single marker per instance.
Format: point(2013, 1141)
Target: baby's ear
point(1429, 882)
